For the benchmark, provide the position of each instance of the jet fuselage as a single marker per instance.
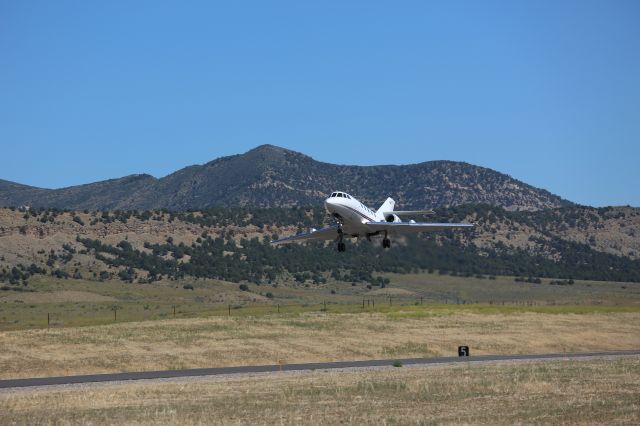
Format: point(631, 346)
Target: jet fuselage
point(351, 213)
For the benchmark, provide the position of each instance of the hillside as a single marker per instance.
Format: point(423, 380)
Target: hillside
point(269, 176)
point(232, 244)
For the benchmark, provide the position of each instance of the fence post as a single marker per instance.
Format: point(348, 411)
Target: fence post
point(48, 320)
point(115, 312)
point(229, 310)
point(421, 300)
point(362, 303)
point(278, 308)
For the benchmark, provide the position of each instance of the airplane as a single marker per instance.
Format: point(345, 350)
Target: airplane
point(355, 220)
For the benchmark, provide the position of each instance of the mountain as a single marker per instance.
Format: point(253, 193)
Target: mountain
point(269, 176)
point(233, 244)
point(104, 195)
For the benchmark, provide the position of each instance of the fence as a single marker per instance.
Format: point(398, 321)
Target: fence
point(108, 313)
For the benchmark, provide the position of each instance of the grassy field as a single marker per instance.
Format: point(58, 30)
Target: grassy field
point(567, 392)
point(395, 331)
point(492, 316)
point(69, 303)
point(419, 315)
point(441, 288)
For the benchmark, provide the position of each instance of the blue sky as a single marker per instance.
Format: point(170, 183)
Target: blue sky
point(546, 91)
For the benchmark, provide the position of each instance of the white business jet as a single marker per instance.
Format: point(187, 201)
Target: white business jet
point(354, 219)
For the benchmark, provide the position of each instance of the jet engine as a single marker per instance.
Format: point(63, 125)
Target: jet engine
point(392, 218)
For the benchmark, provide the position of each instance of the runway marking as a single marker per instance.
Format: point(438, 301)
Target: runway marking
point(146, 375)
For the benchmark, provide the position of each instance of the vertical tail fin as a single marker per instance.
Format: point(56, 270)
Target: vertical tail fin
point(386, 207)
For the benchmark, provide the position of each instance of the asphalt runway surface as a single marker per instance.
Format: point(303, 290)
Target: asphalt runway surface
point(146, 375)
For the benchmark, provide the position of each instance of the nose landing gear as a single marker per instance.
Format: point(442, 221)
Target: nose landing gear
point(341, 245)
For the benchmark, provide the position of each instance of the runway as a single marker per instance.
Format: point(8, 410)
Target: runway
point(145, 375)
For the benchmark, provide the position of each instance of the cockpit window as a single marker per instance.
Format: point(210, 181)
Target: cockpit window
point(333, 195)
point(340, 194)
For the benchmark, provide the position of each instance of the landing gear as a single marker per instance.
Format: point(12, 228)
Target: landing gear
point(386, 242)
point(341, 245)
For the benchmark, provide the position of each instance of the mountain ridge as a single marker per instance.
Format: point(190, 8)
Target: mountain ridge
point(271, 176)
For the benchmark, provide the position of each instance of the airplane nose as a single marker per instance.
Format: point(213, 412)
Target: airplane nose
point(328, 202)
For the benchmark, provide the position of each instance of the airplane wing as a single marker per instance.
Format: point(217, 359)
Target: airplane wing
point(414, 227)
point(409, 212)
point(330, 233)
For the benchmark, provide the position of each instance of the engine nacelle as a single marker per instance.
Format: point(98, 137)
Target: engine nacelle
point(392, 218)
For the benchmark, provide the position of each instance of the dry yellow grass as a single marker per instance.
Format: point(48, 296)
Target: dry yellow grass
point(569, 392)
point(306, 337)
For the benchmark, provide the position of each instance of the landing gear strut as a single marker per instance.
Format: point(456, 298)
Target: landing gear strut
point(386, 242)
point(341, 245)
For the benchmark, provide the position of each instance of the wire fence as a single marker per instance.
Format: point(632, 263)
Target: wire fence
point(122, 312)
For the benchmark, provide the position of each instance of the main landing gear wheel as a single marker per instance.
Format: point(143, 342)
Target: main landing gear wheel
point(341, 247)
point(386, 243)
